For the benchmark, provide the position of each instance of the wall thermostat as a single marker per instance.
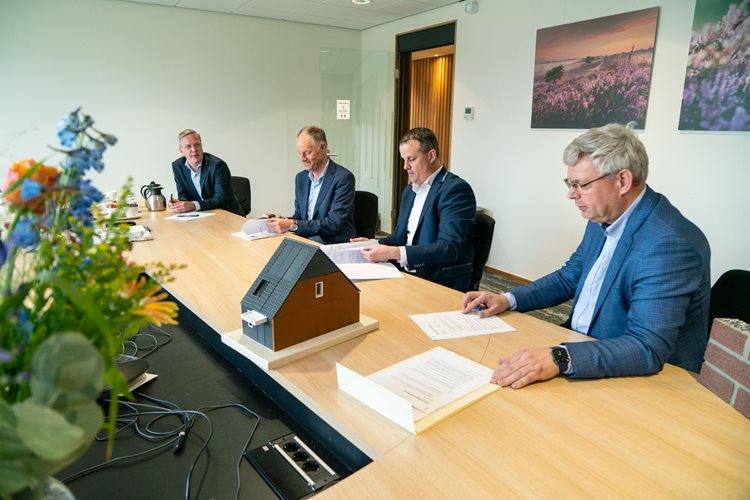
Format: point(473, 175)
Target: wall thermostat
point(469, 113)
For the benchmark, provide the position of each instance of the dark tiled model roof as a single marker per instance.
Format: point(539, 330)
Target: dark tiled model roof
point(292, 261)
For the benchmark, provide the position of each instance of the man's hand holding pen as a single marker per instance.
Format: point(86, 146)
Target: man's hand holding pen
point(180, 206)
point(278, 223)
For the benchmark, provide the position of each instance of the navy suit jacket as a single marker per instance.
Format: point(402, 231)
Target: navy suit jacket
point(653, 304)
point(442, 249)
point(333, 218)
point(216, 184)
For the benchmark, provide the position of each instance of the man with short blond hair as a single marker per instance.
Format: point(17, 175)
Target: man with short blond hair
point(203, 180)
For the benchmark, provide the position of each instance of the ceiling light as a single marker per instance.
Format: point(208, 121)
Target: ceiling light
point(360, 2)
point(470, 7)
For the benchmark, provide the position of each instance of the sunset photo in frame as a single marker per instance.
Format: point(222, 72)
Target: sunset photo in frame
point(716, 95)
point(594, 72)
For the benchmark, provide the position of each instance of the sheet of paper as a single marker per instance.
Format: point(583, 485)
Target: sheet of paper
point(139, 232)
point(255, 229)
point(190, 216)
point(455, 324)
point(370, 271)
point(348, 253)
point(255, 236)
point(433, 379)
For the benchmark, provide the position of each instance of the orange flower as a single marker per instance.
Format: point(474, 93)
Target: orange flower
point(154, 307)
point(44, 175)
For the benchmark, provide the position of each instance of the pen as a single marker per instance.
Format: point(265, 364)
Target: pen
point(188, 215)
point(171, 198)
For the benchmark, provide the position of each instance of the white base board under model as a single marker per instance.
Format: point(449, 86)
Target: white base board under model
point(270, 360)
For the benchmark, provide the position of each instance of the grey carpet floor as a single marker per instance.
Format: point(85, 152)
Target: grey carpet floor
point(499, 284)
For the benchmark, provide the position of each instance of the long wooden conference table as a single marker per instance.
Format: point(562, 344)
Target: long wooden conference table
point(657, 436)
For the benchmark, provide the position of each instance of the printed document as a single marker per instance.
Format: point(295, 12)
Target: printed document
point(348, 257)
point(433, 379)
point(455, 324)
point(348, 253)
point(255, 229)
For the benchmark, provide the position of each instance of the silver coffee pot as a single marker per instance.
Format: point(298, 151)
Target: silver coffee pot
point(155, 201)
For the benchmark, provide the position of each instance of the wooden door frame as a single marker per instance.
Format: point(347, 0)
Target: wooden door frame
point(433, 36)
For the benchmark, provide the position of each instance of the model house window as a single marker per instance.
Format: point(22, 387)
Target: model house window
point(318, 289)
point(259, 289)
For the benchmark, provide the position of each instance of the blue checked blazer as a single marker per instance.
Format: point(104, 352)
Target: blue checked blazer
point(653, 304)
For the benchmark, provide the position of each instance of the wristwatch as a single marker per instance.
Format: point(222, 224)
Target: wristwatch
point(561, 357)
point(293, 228)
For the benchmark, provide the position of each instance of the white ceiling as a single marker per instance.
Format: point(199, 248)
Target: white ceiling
point(336, 13)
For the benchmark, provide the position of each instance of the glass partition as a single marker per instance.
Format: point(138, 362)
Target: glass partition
point(362, 143)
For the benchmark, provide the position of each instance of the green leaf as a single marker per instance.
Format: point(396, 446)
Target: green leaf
point(12, 446)
point(66, 364)
point(14, 477)
point(46, 431)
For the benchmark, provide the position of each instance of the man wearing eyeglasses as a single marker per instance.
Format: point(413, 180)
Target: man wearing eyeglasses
point(203, 180)
point(640, 277)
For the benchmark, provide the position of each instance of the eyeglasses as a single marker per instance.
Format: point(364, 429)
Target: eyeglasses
point(197, 145)
point(580, 188)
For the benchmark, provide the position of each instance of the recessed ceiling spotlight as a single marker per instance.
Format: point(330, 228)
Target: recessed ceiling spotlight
point(360, 2)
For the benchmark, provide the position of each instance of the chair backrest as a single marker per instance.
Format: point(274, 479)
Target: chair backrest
point(730, 297)
point(366, 213)
point(483, 231)
point(241, 189)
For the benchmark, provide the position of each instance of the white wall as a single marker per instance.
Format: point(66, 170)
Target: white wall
point(517, 172)
point(145, 72)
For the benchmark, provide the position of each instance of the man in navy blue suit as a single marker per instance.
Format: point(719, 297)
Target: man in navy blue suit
point(323, 194)
point(203, 180)
point(640, 279)
point(433, 235)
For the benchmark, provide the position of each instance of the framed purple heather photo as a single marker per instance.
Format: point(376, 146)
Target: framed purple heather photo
point(716, 95)
point(594, 72)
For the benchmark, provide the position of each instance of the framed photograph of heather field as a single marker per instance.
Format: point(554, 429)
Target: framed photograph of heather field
point(594, 72)
point(716, 95)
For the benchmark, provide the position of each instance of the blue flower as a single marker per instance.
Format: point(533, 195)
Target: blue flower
point(30, 189)
point(3, 253)
point(81, 202)
point(25, 234)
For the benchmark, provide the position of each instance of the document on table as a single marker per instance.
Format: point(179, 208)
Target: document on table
point(370, 271)
point(190, 216)
point(455, 324)
point(348, 253)
point(255, 229)
point(348, 257)
point(433, 380)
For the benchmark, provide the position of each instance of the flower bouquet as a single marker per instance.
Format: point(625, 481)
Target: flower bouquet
point(58, 274)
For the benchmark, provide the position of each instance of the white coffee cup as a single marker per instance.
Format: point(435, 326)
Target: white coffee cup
point(131, 212)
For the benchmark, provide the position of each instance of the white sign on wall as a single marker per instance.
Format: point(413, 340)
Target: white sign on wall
point(342, 109)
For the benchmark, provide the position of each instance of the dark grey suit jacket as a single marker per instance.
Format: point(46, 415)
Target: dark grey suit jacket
point(216, 184)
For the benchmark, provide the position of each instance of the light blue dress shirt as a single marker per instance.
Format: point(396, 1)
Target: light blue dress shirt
point(312, 198)
point(196, 177)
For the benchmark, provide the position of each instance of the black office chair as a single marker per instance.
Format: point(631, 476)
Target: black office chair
point(241, 189)
point(730, 297)
point(366, 213)
point(483, 231)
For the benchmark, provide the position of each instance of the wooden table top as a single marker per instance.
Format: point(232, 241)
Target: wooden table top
point(657, 436)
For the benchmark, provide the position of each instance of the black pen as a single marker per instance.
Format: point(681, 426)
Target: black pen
point(188, 215)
